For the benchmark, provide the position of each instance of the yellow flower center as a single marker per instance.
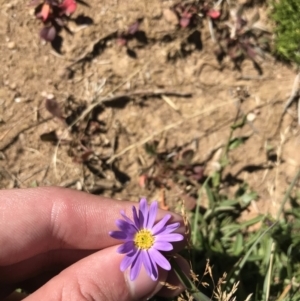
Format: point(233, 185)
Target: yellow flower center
point(144, 239)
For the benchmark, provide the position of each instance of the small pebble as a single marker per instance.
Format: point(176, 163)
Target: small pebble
point(11, 45)
point(170, 16)
point(2, 156)
point(32, 12)
point(78, 185)
point(44, 94)
point(10, 5)
point(13, 86)
point(251, 117)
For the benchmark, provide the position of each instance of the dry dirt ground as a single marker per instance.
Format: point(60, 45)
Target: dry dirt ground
point(91, 69)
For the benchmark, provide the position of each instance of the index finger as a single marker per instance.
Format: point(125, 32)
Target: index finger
point(38, 220)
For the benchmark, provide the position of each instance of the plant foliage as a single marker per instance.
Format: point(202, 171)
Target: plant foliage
point(287, 42)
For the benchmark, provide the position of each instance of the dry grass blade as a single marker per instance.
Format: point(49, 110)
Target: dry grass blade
point(294, 92)
point(190, 286)
point(170, 103)
point(285, 292)
point(211, 30)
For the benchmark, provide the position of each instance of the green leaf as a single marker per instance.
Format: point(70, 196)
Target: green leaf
point(190, 286)
point(247, 198)
point(151, 148)
point(238, 245)
point(236, 142)
point(287, 31)
point(240, 123)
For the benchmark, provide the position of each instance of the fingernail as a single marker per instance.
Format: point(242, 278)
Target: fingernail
point(143, 287)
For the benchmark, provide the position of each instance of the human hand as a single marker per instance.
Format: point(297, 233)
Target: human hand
point(54, 243)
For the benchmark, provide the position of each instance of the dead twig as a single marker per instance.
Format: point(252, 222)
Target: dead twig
point(171, 103)
point(91, 48)
point(146, 93)
point(69, 182)
point(293, 96)
point(15, 179)
point(294, 93)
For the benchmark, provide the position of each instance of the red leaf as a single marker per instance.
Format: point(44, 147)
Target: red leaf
point(121, 41)
point(86, 154)
point(68, 7)
point(251, 52)
point(184, 22)
point(143, 180)
point(133, 28)
point(48, 33)
point(44, 13)
point(34, 2)
point(214, 14)
point(198, 172)
point(53, 107)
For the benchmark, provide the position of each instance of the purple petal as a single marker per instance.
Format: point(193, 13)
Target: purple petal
point(127, 247)
point(127, 219)
point(126, 227)
point(152, 215)
point(161, 224)
point(154, 275)
point(118, 234)
point(159, 259)
point(169, 228)
point(146, 262)
point(135, 217)
point(136, 266)
point(143, 213)
point(163, 246)
point(128, 260)
point(150, 267)
point(169, 237)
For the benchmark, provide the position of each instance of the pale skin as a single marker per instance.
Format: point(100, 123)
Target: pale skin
point(54, 243)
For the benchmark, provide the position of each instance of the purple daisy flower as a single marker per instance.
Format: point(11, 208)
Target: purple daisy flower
point(144, 240)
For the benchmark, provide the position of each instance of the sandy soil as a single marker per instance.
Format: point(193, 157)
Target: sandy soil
point(187, 100)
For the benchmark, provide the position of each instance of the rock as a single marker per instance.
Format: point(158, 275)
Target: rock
point(251, 117)
point(11, 45)
point(170, 16)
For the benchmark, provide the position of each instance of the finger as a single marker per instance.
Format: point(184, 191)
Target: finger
point(37, 220)
point(54, 260)
point(171, 288)
point(98, 277)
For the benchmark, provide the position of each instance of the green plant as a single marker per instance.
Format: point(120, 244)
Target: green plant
point(234, 259)
point(287, 41)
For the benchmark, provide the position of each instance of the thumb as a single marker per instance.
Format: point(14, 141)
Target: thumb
point(98, 278)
